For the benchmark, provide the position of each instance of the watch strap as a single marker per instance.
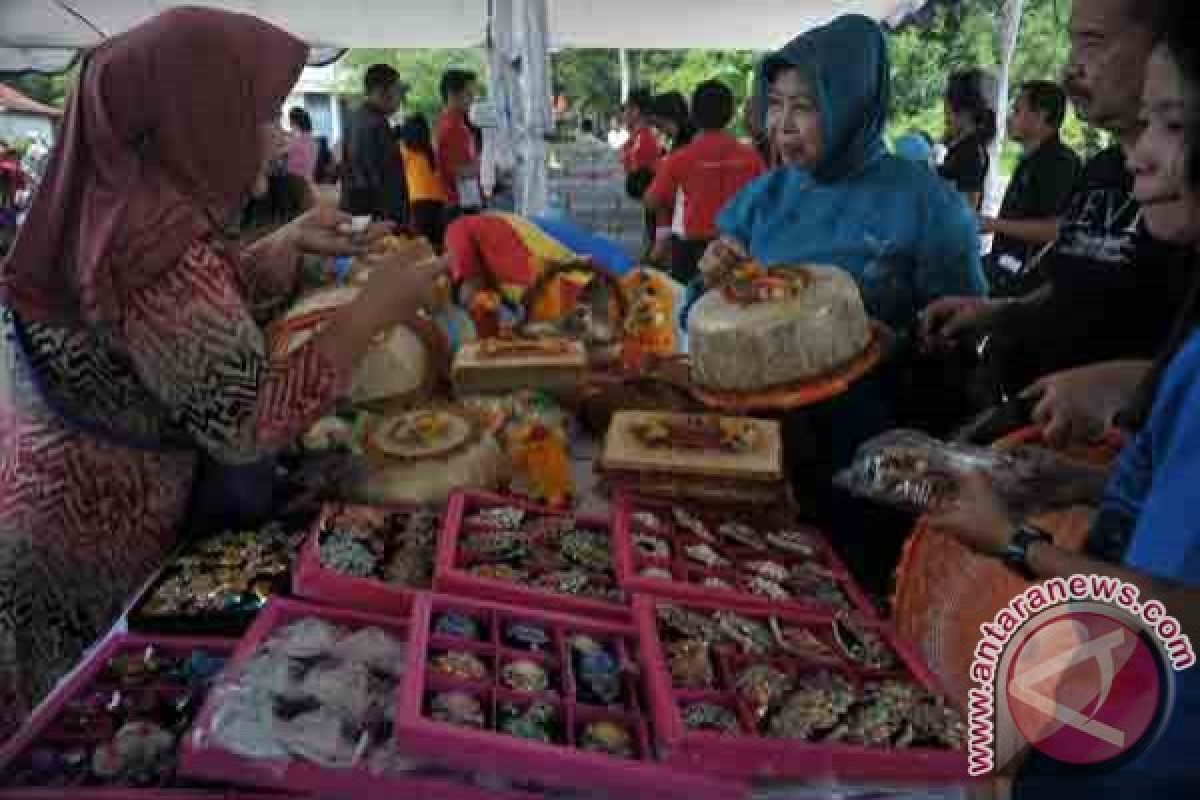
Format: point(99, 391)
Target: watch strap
point(1016, 555)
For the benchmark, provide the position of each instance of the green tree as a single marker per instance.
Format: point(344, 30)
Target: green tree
point(49, 89)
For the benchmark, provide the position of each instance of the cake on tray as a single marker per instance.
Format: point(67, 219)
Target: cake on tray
point(777, 327)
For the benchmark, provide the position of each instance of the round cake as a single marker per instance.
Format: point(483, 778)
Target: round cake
point(773, 328)
point(398, 365)
point(422, 456)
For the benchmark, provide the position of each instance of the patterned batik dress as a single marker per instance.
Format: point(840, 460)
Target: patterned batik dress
point(100, 433)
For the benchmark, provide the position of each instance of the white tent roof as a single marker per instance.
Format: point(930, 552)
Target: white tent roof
point(30, 30)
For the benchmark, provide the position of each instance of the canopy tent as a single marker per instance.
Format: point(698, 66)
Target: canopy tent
point(45, 35)
point(29, 27)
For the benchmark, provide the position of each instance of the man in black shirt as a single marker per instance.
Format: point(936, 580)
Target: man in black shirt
point(373, 176)
point(1112, 293)
point(1038, 192)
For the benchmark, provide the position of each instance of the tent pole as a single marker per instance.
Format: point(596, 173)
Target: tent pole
point(1008, 32)
point(623, 55)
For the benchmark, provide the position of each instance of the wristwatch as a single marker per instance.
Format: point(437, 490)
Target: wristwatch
point(1016, 555)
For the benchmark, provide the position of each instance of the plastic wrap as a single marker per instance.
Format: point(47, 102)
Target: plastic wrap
point(916, 472)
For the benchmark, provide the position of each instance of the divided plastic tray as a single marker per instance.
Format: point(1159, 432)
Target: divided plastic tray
point(690, 579)
point(750, 754)
point(562, 763)
point(203, 759)
point(49, 726)
point(453, 577)
point(312, 580)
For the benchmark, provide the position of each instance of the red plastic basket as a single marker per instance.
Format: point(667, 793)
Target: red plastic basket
point(451, 578)
point(41, 727)
point(562, 764)
point(311, 580)
point(751, 756)
point(687, 577)
point(211, 762)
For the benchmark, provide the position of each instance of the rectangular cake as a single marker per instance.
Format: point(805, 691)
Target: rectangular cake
point(503, 365)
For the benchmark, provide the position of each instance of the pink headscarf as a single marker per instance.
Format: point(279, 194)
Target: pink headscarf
point(159, 146)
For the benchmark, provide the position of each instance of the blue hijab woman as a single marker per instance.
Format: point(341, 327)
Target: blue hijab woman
point(840, 198)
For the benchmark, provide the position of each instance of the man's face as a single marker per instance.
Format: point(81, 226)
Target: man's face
point(1023, 122)
point(1104, 74)
point(631, 116)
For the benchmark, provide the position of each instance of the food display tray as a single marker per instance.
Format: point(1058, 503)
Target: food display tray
point(51, 726)
point(743, 576)
point(222, 623)
point(558, 759)
point(202, 758)
point(312, 580)
point(750, 754)
point(452, 575)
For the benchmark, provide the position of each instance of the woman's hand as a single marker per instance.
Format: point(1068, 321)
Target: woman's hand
point(399, 285)
point(720, 259)
point(978, 517)
point(326, 231)
point(1077, 406)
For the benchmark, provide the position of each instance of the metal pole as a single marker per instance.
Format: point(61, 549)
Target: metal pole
point(1008, 32)
point(623, 55)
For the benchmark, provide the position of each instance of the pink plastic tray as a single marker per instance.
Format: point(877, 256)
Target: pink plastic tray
point(40, 727)
point(562, 764)
point(200, 760)
point(451, 578)
point(688, 576)
point(312, 581)
point(750, 755)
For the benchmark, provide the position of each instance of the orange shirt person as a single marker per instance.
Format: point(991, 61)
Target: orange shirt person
point(709, 172)
point(426, 195)
point(457, 153)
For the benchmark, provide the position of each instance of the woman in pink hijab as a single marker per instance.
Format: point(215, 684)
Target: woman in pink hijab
point(130, 348)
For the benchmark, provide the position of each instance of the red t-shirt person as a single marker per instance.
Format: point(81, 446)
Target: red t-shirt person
point(709, 172)
point(641, 151)
point(456, 153)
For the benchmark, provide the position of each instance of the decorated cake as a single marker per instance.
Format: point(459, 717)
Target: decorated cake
point(770, 328)
point(421, 456)
point(400, 364)
point(502, 364)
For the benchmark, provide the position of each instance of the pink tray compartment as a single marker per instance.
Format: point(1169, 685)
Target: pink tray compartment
point(199, 760)
point(311, 580)
point(688, 576)
point(41, 725)
point(751, 756)
point(551, 765)
point(449, 578)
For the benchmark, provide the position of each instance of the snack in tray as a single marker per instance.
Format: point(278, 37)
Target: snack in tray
point(609, 737)
point(396, 547)
point(313, 691)
point(754, 552)
point(837, 680)
point(120, 728)
point(782, 326)
point(542, 550)
point(420, 456)
point(233, 573)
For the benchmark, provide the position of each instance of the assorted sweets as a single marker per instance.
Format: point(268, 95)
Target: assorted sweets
point(218, 584)
point(557, 699)
point(119, 723)
point(389, 545)
point(783, 679)
point(689, 550)
point(777, 327)
point(533, 551)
